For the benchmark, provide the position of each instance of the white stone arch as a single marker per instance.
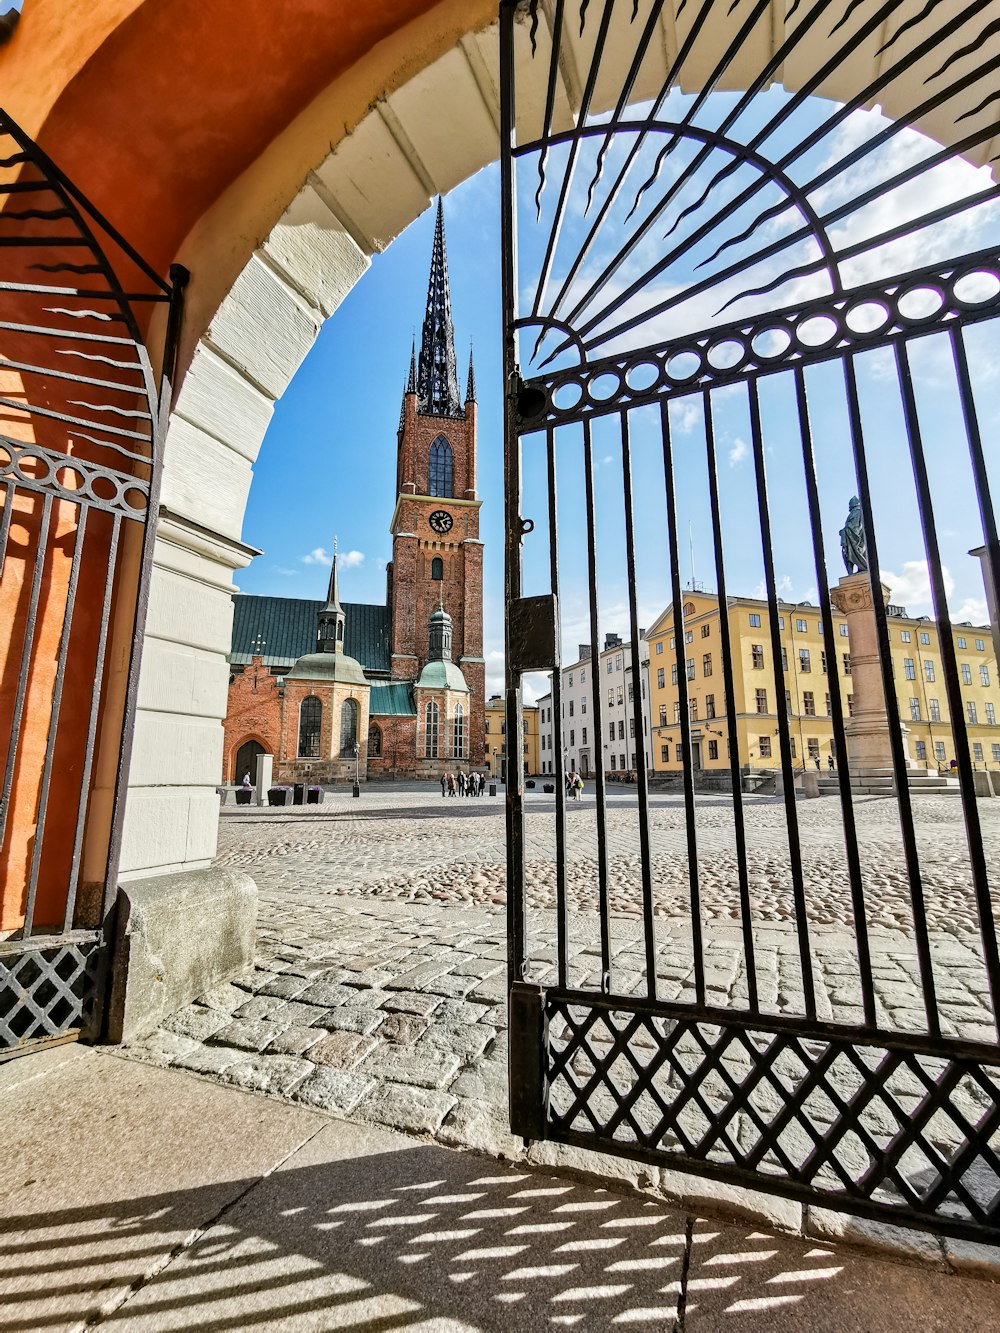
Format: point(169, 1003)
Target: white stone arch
point(432, 131)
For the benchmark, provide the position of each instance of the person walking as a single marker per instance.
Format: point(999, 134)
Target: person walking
point(829, 762)
point(444, 785)
point(451, 784)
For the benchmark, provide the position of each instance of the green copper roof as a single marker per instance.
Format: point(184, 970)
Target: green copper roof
point(442, 675)
point(328, 666)
point(391, 699)
point(283, 629)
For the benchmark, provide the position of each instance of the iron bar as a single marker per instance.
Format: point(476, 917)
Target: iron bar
point(562, 908)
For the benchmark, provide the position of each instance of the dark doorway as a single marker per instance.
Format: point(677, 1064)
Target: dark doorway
point(246, 760)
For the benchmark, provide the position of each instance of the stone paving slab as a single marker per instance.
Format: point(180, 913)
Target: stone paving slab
point(406, 993)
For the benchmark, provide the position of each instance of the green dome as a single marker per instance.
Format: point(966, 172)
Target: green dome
point(337, 668)
point(442, 675)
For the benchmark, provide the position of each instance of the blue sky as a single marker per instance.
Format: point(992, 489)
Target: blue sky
point(327, 465)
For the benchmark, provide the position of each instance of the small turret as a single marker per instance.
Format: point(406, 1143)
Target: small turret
point(470, 392)
point(331, 619)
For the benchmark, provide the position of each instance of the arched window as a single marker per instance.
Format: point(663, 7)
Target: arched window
point(348, 728)
point(437, 568)
point(458, 732)
point(439, 478)
point(432, 725)
point(310, 718)
point(374, 741)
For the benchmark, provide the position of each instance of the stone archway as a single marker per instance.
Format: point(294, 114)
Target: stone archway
point(399, 105)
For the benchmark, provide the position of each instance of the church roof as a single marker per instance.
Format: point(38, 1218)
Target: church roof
point(437, 371)
point(391, 699)
point(283, 629)
point(336, 667)
point(442, 675)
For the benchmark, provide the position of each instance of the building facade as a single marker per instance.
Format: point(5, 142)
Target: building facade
point(807, 679)
point(412, 702)
point(496, 737)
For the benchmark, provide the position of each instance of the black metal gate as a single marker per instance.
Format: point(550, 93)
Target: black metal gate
point(80, 444)
point(733, 300)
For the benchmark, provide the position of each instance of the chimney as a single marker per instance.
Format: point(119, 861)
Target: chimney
point(584, 650)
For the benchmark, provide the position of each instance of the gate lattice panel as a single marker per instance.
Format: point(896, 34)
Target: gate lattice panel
point(734, 298)
point(80, 441)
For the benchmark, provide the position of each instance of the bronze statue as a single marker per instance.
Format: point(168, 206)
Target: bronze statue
point(853, 544)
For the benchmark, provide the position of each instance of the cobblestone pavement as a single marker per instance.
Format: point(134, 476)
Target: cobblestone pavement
point(379, 986)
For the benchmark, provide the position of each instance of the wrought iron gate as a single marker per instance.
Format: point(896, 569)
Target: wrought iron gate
point(80, 445)
point(734, 299)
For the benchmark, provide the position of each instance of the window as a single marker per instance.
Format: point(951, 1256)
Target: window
point(984, 675)
point(822, 663)
point(925, 638)
point(611, 731)
point(619, 696)
point(689, 636)
point(754, 620)
point(706, 665)
point(809, 703)
point(571, 707)
point(850, 705)
point(827, 708)
point(689, 668)
point(706, 631)
point(966, 674)
point(621, 729)
point(710, 706)
point(991, 716)
point(928, 669)
point(572, 737)
point(781, 622)
point(583, 678)
point(679, 752)
point(677, 711)
point(713, 749)
point(939, 751)
point(631, 692)
point(906, 637)
point(611, 666)
point(583, 736)
point(909, 668)
point(847, 664)
point(980, 646)
point(784, 658)
point(791, 746)
point(914, 710)
point(458, 732)
point(437, 568)
point(673, 674)
point(757, 656)
point(800, 626)
point(659, 647)
point(659, 678)
point(570, 681)
point(611, 696)
point(970, 711)
point(663, 715)
point(673, 642)
point(764, 743)
point(788, 702)
point(374, 741)
point(693, 709)
point(961, 641)
point(843, 631)
point(631, 728)
point(761, 701)
point(310, 718)
point(996, 753)
point(348, 728)
point(439, 478)
point(977, 752)
point(618, 661)
point(432, 724)
point(812, 744)
point(665, 754)
point(804, 660)
point(921, 750)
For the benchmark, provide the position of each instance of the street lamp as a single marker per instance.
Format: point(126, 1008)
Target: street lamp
point(357, 769)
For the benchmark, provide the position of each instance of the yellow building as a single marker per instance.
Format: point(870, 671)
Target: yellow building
point(806, 678)
point(496, 737)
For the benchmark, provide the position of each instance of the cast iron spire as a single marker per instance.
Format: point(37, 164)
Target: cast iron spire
point(470, 392)
point(437, 376)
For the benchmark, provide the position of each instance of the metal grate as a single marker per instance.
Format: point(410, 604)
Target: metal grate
point(48, 991)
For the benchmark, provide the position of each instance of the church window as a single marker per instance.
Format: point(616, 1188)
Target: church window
point(440, 470)
point(458, 726)
point(348, 728)
point(310, 717)
point(437, 568)
point(432, 716)
point(374, 741)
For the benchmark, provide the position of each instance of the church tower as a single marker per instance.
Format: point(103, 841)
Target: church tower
point(437, 556)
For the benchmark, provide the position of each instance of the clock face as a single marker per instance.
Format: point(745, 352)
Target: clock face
point(441, 520)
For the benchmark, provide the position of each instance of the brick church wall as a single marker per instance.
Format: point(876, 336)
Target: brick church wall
point(253, 713)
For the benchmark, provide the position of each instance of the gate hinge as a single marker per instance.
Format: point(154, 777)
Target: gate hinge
point(532, 633)
point(527, 1060)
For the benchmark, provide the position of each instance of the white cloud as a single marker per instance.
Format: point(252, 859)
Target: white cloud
point(347, 559)
point(738, 451)
point(288, 573)
point(911, 587)
point(685, 417)
point(974, 609)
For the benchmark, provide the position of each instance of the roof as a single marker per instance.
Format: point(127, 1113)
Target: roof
point(328, 666)
point(442, 676)
point(391, 699)
point(283, 629)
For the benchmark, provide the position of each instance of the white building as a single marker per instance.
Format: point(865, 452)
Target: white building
point(615, 749)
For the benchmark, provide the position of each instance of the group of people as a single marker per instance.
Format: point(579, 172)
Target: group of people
point(574, 785)
point(463, 784)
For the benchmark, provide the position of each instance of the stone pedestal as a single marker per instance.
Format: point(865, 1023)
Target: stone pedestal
point(868, 746)
point(264, 777)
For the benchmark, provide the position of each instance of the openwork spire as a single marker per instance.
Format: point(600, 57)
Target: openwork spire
point(470, 392)
point(437, 375)
point(411, 383)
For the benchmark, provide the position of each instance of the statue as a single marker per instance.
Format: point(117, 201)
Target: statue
point(853, 544)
